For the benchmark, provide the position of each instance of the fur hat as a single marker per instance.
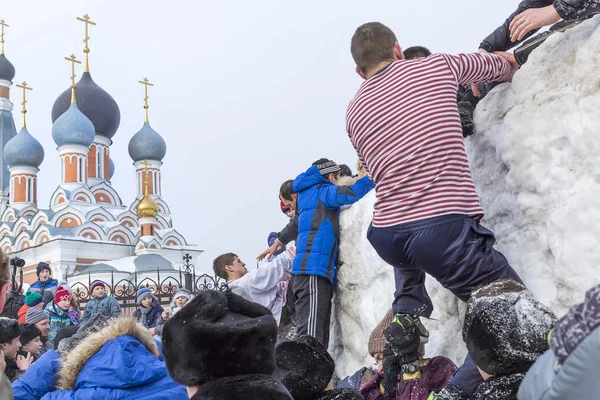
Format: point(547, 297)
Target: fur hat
point(62, 294)
point(92, 325)
point(35, 315)
point(9, 329)
point(64, 334)
point(33, 299)
point(97, 283)
point(505, 328)
point(41, 266)
point(377, 338)
point(340, 394)
point(219, 334)
point(28, 333)
point(143, 293)
point(304, 366)
point(244, 387)
point(326, 166)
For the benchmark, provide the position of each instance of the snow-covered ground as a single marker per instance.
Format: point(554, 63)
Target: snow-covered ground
point(536, 164)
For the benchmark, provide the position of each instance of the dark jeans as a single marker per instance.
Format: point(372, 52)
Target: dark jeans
point(454, 249)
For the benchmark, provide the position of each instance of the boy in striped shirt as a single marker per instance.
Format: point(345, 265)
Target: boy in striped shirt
point(405, 126)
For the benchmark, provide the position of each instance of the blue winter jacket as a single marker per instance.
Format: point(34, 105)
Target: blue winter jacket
point(123, 368)
point(39, 378)
point(319, 203)
point(50, 285)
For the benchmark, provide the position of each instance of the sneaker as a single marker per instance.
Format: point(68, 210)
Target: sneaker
point(405, 319)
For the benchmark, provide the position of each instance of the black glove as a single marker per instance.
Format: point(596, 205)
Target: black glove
point(466, 110)
point(391, 370)
point(404, 339)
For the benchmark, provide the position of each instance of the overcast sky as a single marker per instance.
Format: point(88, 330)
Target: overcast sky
point(247, 93)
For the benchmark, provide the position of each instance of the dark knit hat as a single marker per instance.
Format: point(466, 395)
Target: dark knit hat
point(143, 293)
point(345, 170)
point(97, 283)
point(64, 333)
point(304, 366)
point(28, 333)
point(35, 315)
point(506, 329)
point(219, 334)
point(62, 294)
point(377, 338)
point(326, 166)
point(9, 329)
point(40, 267)
point(340, 394)
point(33, 299)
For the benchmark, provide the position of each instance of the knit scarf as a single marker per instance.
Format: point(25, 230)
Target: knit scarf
point(144, 311)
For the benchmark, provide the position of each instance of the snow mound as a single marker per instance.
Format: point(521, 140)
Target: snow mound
point(536, 167)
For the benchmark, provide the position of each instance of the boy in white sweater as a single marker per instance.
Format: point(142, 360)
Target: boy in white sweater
point(265, 285)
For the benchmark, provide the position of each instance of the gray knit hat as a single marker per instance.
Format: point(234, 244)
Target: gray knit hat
point(35, 315)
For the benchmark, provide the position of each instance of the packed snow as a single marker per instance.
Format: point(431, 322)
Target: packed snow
point(535, 164)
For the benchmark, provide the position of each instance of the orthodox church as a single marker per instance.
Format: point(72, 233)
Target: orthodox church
point(86, 227)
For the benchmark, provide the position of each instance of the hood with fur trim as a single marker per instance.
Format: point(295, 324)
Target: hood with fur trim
point(119, 361)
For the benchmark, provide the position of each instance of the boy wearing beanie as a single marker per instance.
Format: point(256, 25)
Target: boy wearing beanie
point(45, 285)
point(180, 299)
point(506, 330)
point(31, 341)
point(221, 346)
point(149, 309)
point(9, 340)
point(58, 311)
point(101, 303)
point(403, 372)
point(32, 299)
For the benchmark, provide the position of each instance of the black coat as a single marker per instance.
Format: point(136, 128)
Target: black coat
point(499, 40)
point(152, 316)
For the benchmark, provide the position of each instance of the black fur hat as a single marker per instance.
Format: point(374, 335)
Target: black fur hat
point(304, 366)
point(9, 329)
point(341, 394)
point(245, 387)
point(219, 334)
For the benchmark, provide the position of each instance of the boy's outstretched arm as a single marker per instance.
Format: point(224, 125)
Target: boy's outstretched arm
point(336, 196)
point(270, 274)
point(287, 234)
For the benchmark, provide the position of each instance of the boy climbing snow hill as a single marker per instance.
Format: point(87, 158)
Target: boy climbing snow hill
point(405, 126)
point(262, 285)
point(316, 198)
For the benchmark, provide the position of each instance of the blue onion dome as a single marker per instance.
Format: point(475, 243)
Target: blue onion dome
point(94, 102)
point(7, 70)
point(147, 144)
point(111, 168)
point(73, 127)
point(23, 150)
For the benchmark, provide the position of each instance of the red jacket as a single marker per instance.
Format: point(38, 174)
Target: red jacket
point(23, 313)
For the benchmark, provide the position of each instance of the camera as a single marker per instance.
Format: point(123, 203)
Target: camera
point(17, 262)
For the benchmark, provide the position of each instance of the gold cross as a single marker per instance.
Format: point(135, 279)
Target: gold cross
point(146, 83)
point(73, 61)
point(24, 110)
point(87, 21)
point(2, 25)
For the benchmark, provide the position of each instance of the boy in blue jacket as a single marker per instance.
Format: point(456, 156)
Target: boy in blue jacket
point(316, 198)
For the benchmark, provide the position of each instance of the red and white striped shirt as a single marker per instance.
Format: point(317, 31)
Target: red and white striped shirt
point(405, 127)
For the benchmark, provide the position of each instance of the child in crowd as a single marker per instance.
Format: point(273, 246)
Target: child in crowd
point(221, 346)
point(317, 199)
point(45, 285)
point(101, 302)
point(58, 311)
point(31, 341)
point(9, 340)
point(506, 330)
point(180, 299)
point(149, 310)
point(305, 368)
point(32, 299)
point(403, 371)
point(262, 285)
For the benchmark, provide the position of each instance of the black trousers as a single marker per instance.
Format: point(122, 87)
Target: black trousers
point(312, 304)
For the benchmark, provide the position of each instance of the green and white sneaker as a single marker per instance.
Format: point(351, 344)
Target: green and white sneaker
point(404, 320)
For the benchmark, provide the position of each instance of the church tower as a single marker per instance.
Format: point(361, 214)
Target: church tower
point(7, 124)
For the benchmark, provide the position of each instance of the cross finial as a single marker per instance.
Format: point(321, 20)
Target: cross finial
point(145, 177)
point(73, 61)
point(146, 83)
point(2, 26)
point(24, 102)
point(87, 21)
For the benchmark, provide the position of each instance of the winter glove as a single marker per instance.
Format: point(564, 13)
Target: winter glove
point(403, 338)
point(450, 392)
point(391, 371)
point(466, 110)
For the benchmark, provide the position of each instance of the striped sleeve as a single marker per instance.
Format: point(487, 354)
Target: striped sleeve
point(478, 67)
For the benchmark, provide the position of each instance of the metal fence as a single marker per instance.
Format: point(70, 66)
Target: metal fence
point(125, 290)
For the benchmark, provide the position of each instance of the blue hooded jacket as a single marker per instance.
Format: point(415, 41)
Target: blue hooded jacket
point(318, 208)
point(39, 378)
point(119, 362)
